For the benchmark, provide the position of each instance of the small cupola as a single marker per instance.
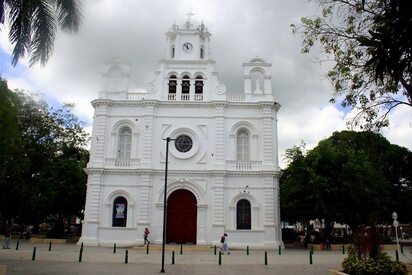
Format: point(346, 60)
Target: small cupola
point(188, 41)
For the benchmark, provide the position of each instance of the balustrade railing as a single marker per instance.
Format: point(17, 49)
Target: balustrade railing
point(235, 97)
point(198, 97)
point(137, 96)
point(243, 165)
point(122, 163)
point(185, 97)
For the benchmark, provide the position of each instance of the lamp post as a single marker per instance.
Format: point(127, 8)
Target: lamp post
point(395, 224)
point(168, 139)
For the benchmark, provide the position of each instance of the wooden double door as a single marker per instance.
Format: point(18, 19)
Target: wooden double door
point(181, 217)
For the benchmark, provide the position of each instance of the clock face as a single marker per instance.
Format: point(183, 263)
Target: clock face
point(187, 47)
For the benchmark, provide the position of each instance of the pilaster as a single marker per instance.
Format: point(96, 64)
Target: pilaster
point(148, 142)
point(144, 199)
point(92, 209)
point(219, 137)
point(99, 135)
point(267, 131)
point(218, 201)
point(268, 201)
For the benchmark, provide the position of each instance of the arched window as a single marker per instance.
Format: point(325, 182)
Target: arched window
point(243, 214)
point(172, 84)
point(119, 212)
point(202, 52)
point(125, 143)
point(242, 151)
point(185, 84)
point(173, 52)
point(199, 85)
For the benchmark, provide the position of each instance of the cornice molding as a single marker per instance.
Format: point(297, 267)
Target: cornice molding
point(186, 104)
point(156, 172)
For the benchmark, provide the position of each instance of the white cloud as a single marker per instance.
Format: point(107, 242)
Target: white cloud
point(241, 30)
point(310, 125)
point(400, 128)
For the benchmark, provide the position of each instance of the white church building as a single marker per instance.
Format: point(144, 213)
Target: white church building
point(223, 172)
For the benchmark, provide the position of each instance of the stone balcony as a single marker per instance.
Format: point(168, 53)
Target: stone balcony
point(122, 163)
point(242, 165)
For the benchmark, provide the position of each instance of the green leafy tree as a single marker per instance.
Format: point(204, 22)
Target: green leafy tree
point(355, 178)
point(33, 25)
point(43, 153)
point(61, 189)
point(12, 159)
point(371, 46)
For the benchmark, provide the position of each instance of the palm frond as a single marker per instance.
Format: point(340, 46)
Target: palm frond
point(2, 10)
point(20, 28)
point(69, 15)
point(43, 32)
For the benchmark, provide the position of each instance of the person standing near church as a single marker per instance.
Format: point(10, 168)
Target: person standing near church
point(225, 247)
point(7, 236)
point(146, 234)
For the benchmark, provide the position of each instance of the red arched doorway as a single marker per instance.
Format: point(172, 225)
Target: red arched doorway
point(181, 217)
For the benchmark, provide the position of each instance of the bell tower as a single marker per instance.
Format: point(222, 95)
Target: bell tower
point(189, 41)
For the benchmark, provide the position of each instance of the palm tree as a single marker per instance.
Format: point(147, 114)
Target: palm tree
point(33, 25)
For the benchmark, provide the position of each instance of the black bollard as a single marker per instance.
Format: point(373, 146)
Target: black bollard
point(126, 257)
point(173, 257)
point(181, 249)
point(397, 256)
point(220, 258)
point(310, 257)
point(266, 258)
point(247, 250)
point(280, 250)
point(215, 249)
point(80, 255)
point(402, 249)
point(49, 246)
point(17, 244)
point(114, 248)
point(147, 249)
point(33, 257)
point(343, 249)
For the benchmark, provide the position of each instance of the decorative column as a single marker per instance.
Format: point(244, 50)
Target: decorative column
point(220, 137)
point(92, 208)
point(179, 89)
point(247, 84)
point(277, 213)
point(218, 201)
point(268, 152)
point(192, 90)
point(99, 135)
point(144, 199)
point(147, 156)
point(269, 201)
point(276, 108)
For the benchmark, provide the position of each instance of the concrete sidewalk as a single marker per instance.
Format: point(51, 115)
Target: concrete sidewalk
point(64, 259)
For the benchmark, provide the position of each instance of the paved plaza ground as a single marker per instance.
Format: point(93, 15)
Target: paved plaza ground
point(64, 259)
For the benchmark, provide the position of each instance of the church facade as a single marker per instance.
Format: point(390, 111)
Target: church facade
point(223, 172)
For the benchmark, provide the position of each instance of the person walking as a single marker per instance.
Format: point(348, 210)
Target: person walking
point(146, 234)
point(7, 236)
point(225, 247)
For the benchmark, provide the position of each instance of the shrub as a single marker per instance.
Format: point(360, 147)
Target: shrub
point(366, 256)
point(381, 265)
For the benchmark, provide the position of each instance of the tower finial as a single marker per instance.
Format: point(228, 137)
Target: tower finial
point(189, 14)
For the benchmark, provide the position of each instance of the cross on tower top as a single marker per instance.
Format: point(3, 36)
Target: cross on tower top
point(189, 15)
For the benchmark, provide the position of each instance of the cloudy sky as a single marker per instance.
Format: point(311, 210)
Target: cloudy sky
point(241, 29)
